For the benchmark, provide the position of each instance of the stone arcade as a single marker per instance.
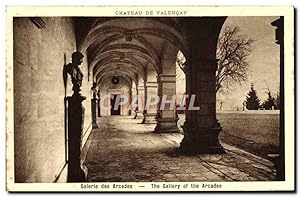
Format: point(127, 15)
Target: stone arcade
point(122, 56)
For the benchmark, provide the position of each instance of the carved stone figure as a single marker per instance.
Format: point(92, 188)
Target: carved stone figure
point(94, 90)
point(98, 94)
point(74, 71)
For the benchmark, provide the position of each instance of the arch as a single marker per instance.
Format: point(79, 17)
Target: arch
point(130, 66)
point(120, 55)
point(171, 24)
point(118, 59)
point(111, 73)
point(147, 46)
point(129, 82)
point(163, 28)
point(135, 50)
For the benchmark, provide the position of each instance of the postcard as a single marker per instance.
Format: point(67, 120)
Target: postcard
point(150, 98)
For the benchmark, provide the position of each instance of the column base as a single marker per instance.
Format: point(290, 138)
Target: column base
point(95, 126)
point(276, 159)
point(133, 114)
point(167, 125)
point(149, 118)
point(139, 115)
point(201, 140)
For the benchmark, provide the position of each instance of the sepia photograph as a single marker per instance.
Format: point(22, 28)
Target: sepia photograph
point(150, 99)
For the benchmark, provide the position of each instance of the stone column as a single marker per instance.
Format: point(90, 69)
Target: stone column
point(141, 94)
point(130, 112)
point(98, 103)
point(167, 118)
point(150, 113)
point(133, 95)
point(94, 112)
point(201, 129)
point(98, 106)
point(278, 159)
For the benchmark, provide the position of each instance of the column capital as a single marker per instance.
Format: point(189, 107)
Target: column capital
point(141, 87)
point(167, 75)
point(151, 84)
point(167, 78)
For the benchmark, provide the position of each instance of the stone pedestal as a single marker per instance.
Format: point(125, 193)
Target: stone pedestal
point(139, 115)
point(94, 115)
point(276, 160)
point(75, 127)
point(98, 108)
point(134, 114)
point(167, 125)
point(201, 140)
point(149, 118)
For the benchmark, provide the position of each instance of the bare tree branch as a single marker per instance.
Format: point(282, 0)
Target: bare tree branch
point(232, 53)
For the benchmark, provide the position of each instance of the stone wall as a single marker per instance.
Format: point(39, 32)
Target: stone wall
point(39, 56)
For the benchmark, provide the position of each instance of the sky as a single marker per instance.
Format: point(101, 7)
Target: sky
point(264, 69)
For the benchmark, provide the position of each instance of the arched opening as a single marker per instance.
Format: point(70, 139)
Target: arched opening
point(180, 88)
point(114, 89)
point(251, 66)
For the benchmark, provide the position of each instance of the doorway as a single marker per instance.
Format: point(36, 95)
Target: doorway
point(114, 111)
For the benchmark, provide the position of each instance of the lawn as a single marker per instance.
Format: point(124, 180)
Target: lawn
point(254, 133)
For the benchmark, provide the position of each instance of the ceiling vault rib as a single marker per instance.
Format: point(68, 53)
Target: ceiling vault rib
point(121, 46)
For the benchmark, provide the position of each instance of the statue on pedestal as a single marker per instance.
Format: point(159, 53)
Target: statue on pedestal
point(98, 94)
point(94, 105)
point(98, 103)
point(94, 90)
point(74, 71)
point(75, 119)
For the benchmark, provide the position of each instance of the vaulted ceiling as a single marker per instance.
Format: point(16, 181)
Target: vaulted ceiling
point(126, 47)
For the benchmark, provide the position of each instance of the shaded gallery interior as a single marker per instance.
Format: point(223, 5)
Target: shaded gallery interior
point(122, 56)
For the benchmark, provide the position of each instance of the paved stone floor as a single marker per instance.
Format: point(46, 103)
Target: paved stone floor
point(123, 149)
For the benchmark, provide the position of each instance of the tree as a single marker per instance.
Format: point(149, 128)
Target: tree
point(277, 101)
point(270, 102)
point(232, 53)
point(252, 101)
